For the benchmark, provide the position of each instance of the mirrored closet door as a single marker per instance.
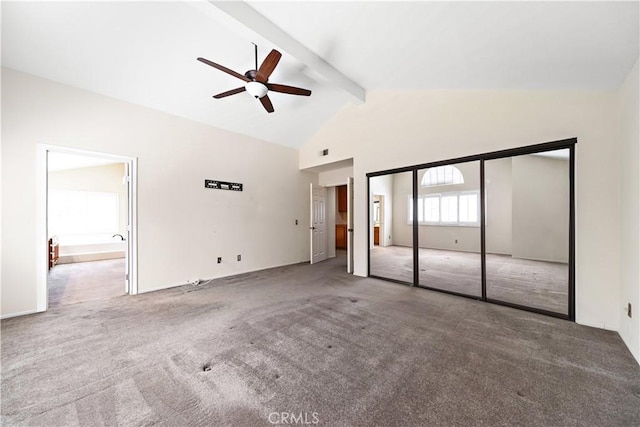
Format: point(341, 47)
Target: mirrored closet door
point(498, 227)
point(448, 216)
point(390, 228)
point(527, 230)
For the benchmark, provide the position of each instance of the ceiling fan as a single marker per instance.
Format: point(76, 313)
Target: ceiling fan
point(257, 81)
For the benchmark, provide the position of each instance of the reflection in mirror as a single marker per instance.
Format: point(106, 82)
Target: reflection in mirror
point(527, 230)
point(391, 250)
point(376, 210)
point(449, 228)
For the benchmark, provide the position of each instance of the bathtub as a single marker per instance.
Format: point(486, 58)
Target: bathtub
point(80, 250)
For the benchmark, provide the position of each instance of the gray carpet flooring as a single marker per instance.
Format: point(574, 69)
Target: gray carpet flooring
point(86, 281)
point(311, 340)
point(536, 284)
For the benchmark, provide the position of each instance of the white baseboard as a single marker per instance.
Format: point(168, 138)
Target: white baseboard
point(596, 325)
point(22, 313)
point(202, 281)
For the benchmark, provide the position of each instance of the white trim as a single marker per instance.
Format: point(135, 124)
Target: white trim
point(597, 325)
point(204, 282)
point(133, 211)
point(22, 313)
point(350, 218)
point(42, 260)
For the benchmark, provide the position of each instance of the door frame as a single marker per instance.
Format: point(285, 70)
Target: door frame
point(350, 221)
point(331, 191)
point(42, 261)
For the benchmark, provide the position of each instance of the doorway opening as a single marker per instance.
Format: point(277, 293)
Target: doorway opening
point(324, 214)
point(332, 223)
point(87, 222)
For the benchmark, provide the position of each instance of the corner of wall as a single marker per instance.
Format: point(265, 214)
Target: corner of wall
point(629, 140)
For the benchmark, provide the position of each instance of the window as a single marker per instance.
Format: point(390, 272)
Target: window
point(449, 208)
point(82, 212)
point(442, 175)
point(460, 208)
point(468, 212)
point(431, 209)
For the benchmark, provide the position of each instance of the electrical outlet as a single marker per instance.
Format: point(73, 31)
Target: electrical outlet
point(296, 222)
point(456, 240)
point(629, 309)
point(239, 257)
point(219, 260)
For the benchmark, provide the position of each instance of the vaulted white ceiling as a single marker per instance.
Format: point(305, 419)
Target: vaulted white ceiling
point(145, 52)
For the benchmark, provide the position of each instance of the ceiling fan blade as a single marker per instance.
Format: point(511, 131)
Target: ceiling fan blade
point(266, 103)
point(230, 92)
point(225, 69)
point(291, 90)
point(268, 65)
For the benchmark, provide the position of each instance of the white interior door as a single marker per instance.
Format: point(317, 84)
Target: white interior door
point(132, 233)
point(350, 226)
point(318, 219)
point(127, 261)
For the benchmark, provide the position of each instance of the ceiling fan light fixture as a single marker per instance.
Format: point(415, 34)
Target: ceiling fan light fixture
point(256, 89)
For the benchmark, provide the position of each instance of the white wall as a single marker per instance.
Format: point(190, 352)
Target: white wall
point(106, 178)
point(498, 198)
point(630, 212)
point(335, 177)
point(540, 227)
point(182, 227)
point(402, 189)
point(396, 129)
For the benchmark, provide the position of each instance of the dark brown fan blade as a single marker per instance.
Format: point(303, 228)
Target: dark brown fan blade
point(288, 89)
point(266, 103)
point(225, 69)
point(229, 92)
point(268, 65)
